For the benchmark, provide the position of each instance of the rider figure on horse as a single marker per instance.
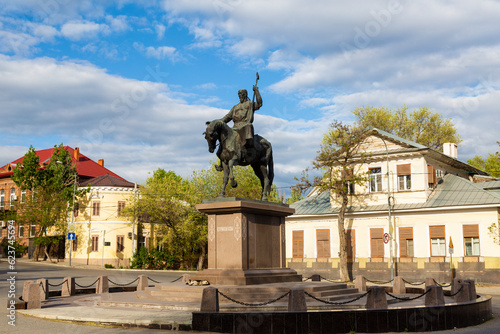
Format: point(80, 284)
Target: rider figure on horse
point(242, 117)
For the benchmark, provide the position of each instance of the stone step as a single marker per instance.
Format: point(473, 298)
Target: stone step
point(327, 293)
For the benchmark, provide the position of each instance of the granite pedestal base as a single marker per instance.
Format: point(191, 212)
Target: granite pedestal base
point(246, 242)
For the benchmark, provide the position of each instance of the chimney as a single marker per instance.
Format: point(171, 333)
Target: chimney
point(101, 162)
point(76, 154)
point(451, 150)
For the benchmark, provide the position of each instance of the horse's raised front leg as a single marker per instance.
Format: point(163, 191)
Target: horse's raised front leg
point(225, 178)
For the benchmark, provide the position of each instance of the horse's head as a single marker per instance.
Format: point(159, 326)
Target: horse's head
point(212, 135)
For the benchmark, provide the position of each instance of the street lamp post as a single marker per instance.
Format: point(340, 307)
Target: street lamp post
point(391, 260)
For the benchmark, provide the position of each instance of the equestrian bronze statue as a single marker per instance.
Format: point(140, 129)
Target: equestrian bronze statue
point(239, 146)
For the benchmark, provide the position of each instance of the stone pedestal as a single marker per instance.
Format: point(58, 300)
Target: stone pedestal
point(246, 242)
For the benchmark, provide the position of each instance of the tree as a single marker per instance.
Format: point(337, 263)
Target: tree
point(50, 187)
point(339, 154)
point(490, 165)
point(422, 125)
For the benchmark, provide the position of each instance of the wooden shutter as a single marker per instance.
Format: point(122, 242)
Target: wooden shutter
point(471, 231)
point(298, 243)
point(377, 242)
point(404, 169)
point(405, 233)
point(436, 232)
point(431, 175)
point(351, 244)
point(323, 243)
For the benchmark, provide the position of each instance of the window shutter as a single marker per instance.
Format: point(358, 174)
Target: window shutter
point(471, 231)
point(406, 233)
point(436, 232)
point(431, 175)
point(404, 169)
point(377, 242)
point(298, 243)
point(323, 243)
point(377, 233)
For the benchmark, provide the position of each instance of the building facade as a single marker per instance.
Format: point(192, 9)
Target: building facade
point(103, 235)
point(436, 202)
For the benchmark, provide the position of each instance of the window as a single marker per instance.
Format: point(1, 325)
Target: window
point(94, 247)
point(438, 240)
point(121, 206)
point(404, 177)
point(431, 176)
point(2, 198)
point(346, 176)
point(32, 230)
point(377, 242)
point(471, 240)
point(406, 241)
point(76, 209)
point(298, 243)
point(75, 244)
point(120, 243)
point(12, 197)
point(21, 231)
point(323, 243)
point(351, 244)
point(96, 208)
point(375, 179)
point(23, 196)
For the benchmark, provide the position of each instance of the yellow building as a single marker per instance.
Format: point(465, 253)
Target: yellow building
point(436, 201)
point(102, 234)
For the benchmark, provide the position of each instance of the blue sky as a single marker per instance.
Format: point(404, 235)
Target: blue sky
point(133, 82)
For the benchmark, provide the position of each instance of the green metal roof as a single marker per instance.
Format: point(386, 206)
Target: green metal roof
point(451, 191)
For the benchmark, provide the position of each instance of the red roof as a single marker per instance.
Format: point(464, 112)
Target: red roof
point(85, 167)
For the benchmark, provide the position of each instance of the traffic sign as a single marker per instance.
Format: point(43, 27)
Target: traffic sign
point(71, 227)
point(71, 236)
point(386, 238)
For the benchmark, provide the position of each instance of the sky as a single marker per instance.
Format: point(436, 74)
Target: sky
point(133, 82)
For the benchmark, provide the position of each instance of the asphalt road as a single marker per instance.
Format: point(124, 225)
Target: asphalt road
point(55, 273)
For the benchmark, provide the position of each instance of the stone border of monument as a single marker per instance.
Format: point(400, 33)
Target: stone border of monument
point(433, 314)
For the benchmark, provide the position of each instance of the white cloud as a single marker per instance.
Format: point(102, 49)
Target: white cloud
point(76, 30)
point(136, 126)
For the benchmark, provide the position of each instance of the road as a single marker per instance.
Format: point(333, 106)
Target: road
point(55, 273)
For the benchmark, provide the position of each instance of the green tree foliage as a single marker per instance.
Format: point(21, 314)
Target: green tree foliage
point(421, 125)
point(339, 154)
point(167, 202)
point(208, 182)
point(490, 164)
point(50, 188)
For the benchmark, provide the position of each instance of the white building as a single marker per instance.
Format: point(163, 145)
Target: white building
point(435, 200)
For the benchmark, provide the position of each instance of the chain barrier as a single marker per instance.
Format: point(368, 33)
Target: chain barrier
point(86, 286)
point(175, 280)
point(456, 293)
point(413, 283)
point(379, 282)
point(152, 280)
point(407, 298)
point(332, 281)
point(56, 285)
point(306, 279)
point(337, 303)
point(444, 285)
point(253, 305)
point(124, 284)
point(43, 286)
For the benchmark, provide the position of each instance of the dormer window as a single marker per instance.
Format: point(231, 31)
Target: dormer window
point(404, 177)
point(375, 179)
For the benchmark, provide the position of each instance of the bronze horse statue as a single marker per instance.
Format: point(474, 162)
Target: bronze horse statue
point(260, 156)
